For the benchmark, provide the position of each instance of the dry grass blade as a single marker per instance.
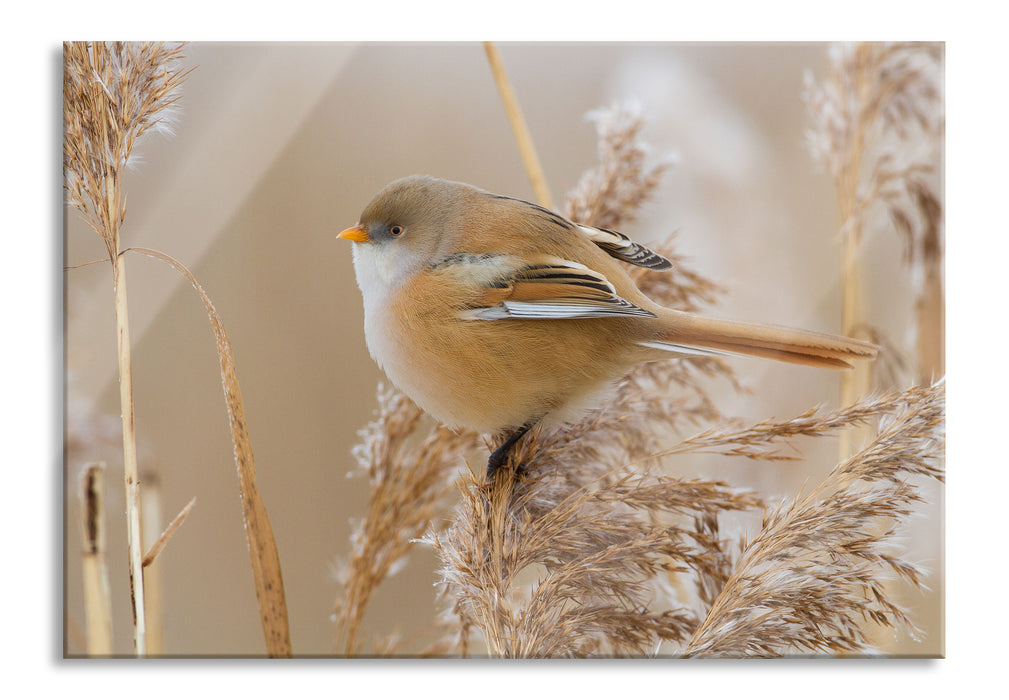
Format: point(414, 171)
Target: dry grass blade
point(159, 544)
point(818, 568)
point(262, 544)
point(409, 465)
point(94, 562)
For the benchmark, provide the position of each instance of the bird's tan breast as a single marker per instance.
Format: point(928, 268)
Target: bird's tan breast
point(492, 375)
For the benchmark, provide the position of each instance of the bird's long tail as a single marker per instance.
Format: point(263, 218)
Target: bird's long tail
point(688, 334)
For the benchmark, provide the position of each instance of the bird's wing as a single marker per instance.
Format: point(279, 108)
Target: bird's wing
point(546, 287)
point(623, 248)
point(613, 242)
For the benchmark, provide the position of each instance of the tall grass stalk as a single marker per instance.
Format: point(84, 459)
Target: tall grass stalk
point(113, 93)
point(154, 605)
point(519, 127)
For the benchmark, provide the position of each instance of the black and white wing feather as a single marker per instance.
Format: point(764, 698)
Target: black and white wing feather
point(623, 248)
point(544, 288)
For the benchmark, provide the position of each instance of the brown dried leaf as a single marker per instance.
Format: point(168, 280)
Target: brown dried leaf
point(262, 544)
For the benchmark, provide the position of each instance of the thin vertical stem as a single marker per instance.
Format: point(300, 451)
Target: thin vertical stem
point(151, 524)
point(130, 475)
point(519, 128)
point(856, 382)
point(94, 563)
point(930, 326)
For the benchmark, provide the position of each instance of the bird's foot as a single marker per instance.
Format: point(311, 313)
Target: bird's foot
point(499, 457)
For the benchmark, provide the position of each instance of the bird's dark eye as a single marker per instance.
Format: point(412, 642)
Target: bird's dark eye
point(396, 230)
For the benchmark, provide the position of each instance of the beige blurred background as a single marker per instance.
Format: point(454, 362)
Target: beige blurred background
point(277, 147)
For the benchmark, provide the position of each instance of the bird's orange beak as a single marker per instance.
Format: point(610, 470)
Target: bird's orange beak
point(358, 234)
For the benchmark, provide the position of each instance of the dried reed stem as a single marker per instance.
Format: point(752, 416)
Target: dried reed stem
point(151, 522)
point(112, 94)
point(95, 566)
point(930, 315)
point(856, 382)
point(132, 478)
point(263, 553)
point(519, 128)
point(154, 543)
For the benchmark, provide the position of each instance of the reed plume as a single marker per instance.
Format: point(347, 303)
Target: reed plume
point(610, 194)
point(877, 119)
point(409, 464)
point(817, 570)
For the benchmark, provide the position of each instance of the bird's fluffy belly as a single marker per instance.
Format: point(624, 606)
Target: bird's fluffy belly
point(478, 376)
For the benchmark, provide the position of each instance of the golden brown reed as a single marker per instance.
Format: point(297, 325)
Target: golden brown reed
point(816, 572)
point(763, 440)
point(609, 194)
point(519, 128)
point(877, 128)
point(112, 94)
point(877, 122)
point(408, 464)
point(263, 554)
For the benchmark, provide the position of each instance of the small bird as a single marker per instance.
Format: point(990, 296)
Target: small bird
point(493, 313)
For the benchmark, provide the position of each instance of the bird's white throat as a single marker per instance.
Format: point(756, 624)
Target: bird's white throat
point(379, 273)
